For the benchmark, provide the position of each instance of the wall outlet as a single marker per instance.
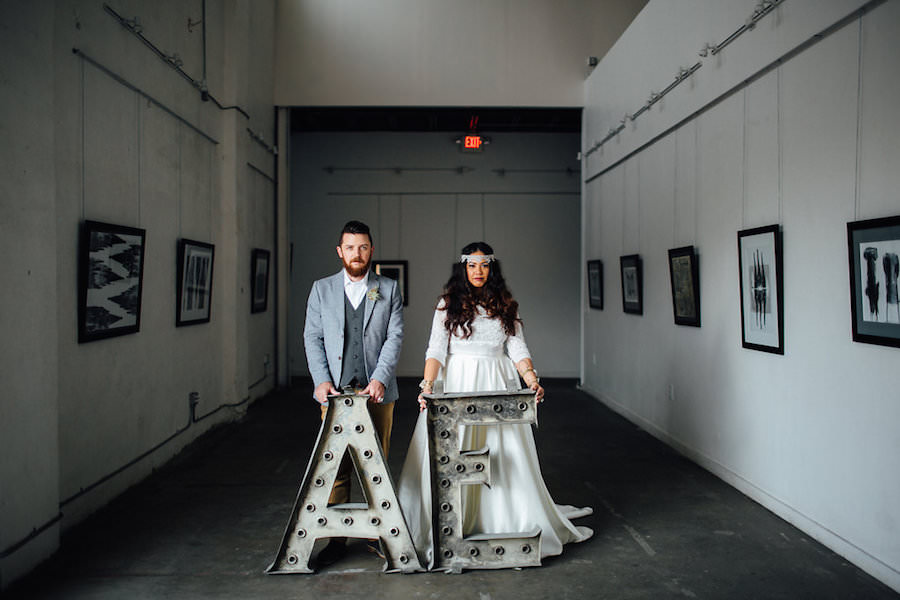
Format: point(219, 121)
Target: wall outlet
point(266, 360)
point(671, 392)
point(594, 358)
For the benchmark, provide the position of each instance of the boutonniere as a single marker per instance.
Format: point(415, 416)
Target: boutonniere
point(373, 295)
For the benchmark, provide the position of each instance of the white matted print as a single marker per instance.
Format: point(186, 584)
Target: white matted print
point(762, 319)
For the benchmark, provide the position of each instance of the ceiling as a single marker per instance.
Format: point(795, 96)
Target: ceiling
point(493, 119)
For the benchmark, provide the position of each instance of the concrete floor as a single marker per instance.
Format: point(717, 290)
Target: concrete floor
point(210, 522)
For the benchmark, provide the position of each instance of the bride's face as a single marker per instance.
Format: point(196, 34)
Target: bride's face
point(477, 270)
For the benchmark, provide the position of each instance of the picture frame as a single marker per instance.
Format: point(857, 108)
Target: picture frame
point(761, 288)
point(595, 283)
point(684, 276)
point(873, 250)
point(259, 280)
point(194, 283)
point(396, 270)
point(632, 284)
point(110, 280)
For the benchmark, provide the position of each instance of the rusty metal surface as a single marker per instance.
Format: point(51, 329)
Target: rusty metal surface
point(451, 469)
point(347, 427)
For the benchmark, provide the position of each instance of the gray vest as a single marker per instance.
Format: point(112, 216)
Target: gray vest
point(354, 363)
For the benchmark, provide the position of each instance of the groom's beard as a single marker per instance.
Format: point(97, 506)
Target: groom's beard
point(356, 268)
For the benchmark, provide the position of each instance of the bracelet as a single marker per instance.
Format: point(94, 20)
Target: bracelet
point(426, 383)
point(533, 370)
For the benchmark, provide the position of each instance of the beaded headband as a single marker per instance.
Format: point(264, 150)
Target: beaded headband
point(476, 258)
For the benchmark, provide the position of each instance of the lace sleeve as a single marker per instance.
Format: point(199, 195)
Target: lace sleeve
point(516, 346)
point(439, 341)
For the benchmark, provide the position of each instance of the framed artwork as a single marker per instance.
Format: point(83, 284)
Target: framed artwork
point(595, 283)
point(874, 248)
point(259, 280)
point(194, 283)
point(111, 272)
point(684, 274)
point(632, 284)
point(762, 294)
point(396, 270)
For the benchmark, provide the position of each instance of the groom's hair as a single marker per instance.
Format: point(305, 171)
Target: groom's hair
point(355, 227)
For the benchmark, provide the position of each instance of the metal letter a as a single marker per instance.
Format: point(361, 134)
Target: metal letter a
point(347, 428)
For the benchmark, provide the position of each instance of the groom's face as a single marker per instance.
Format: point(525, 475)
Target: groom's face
point(356, 253)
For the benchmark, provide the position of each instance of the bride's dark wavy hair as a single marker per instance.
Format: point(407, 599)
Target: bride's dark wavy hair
point(461, 298)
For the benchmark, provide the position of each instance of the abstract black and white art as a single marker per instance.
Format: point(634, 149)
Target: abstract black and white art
point(595, 283)
point(194, 283)
point(259, 280)
point(396, 270)
point(632, 284)
point(110, 279)
point(874, 248)
point(762, 296)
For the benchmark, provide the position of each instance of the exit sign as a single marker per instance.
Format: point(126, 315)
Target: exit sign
point(472, 142)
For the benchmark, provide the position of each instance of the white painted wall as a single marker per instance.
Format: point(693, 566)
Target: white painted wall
point(82, 143)
point(29, 457)
point(425, 217)
point(439, 53)
point(809, 145)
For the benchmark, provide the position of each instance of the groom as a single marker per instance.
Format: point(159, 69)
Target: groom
point(353, 332)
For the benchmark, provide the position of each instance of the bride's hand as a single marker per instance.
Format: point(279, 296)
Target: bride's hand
point(422, 403)
point(538, 391)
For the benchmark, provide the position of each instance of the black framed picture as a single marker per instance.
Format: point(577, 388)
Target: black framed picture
point(194, 283)
point(874, 248)
point(632, 284)
point(762, 294)
point(595, 283)
point(259, 280)
point(111, 272)
point(684, 275)
point(396, 270)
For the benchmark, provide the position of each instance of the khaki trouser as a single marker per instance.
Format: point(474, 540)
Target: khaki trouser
point(383, 419)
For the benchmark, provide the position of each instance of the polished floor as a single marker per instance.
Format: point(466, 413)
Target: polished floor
point(209, 523)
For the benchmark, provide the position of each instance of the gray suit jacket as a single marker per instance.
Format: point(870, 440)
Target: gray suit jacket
point(323, 335)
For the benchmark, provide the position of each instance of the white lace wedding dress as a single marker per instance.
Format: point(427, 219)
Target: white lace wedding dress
point(518, 500)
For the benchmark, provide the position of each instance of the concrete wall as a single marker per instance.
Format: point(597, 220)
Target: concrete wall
point(809, 144)
point(438, 53)
point(426, 213)
point(112, 133)
point(29, 453)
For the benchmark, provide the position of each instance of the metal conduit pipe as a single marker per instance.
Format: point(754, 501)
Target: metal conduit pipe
point(138, 90)
point(9, 551)
point(762, 9)
point(174, 61)
point(192, 418)
point(107, 477)
point(204, 89)
point(816, 38)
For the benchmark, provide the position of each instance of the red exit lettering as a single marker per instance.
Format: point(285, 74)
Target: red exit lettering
point(472, 142)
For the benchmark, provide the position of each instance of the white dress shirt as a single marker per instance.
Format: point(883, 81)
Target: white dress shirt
point(355, 290)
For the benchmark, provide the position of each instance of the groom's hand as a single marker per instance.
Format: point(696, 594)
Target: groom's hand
point(323, 390)
point(375, 390)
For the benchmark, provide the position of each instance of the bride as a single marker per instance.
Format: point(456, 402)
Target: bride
point(477, 345)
